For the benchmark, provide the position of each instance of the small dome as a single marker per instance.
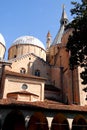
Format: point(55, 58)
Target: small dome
point(2, 40)
point(28, 40)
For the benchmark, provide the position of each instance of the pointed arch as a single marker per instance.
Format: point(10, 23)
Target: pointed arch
point(14, 121)
point(38, 121)
point(59, 122)
point(79, 123)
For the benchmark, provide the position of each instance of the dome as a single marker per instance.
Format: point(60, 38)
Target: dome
point(28, 40)
point(2, 40)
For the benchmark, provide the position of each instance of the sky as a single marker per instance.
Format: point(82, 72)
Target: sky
point(31, 17)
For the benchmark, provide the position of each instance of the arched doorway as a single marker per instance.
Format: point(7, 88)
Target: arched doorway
point(79, 123)
point(14, 121)
point(38, 121)
point(59, 122)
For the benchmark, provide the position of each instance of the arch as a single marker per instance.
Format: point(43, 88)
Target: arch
point(79, 123)
point(14, 121)
point(59, 122)
point(38, 121)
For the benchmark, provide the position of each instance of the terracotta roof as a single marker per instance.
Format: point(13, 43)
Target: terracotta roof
point(23, 92)
point(46, 105)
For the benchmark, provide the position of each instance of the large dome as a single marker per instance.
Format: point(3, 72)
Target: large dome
point(28, 40)
point(2, 40)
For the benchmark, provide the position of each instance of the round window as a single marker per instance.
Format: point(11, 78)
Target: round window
point(24, 86)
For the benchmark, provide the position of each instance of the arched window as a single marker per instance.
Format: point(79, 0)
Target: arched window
point(23, 70)
point(37, 72)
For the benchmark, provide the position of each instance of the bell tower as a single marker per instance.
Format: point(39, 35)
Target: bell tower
point(48, 42)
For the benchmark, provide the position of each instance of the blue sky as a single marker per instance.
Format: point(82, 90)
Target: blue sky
point(31, 17)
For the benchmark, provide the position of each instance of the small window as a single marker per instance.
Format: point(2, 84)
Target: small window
point(15, 56)
point(37, 72)
point(23, 71)
point(24, 86)
point(48, 39)
point(29, 58)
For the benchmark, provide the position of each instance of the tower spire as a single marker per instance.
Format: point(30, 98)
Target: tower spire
point(64, 19)
point(63, 22)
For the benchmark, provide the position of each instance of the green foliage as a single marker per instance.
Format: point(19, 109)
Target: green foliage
point(84, 76)
point(77, 42)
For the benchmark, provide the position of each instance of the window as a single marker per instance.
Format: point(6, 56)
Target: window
point(24, 86)
point(23, 71)
point(15, 56)
point(37, 72)
point(29, 58)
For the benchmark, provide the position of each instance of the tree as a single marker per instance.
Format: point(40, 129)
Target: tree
point(77, 42)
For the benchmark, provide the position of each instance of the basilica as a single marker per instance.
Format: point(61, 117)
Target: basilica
point(38, 91)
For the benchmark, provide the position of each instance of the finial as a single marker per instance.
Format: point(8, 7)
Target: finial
point(63, 6)
point(48, 34)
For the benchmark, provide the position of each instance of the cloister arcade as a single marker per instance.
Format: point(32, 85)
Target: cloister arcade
point(15, 120)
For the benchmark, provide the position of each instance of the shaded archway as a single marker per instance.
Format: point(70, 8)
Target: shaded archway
point(79, 123)
point(14, 121)
point(59, 122)
point(38, 121)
